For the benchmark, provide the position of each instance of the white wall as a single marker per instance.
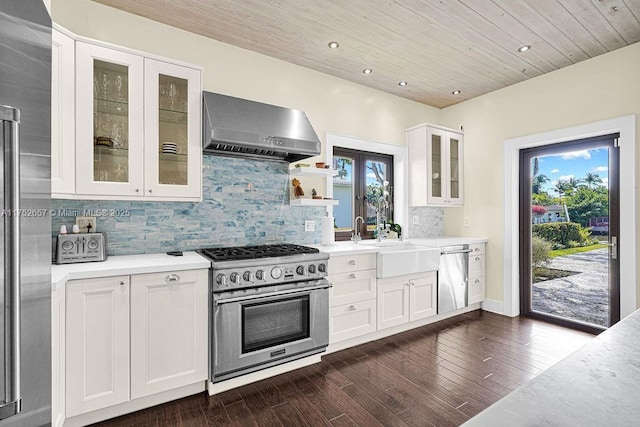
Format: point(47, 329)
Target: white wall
point(601, 88)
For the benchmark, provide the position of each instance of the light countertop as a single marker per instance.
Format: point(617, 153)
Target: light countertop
point(126, 264)
point(595, 386)
point(350, 248)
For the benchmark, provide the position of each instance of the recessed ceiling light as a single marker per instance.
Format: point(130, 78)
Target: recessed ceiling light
point(455, 92)
point(402, 83)
point(333, 45)
point(524, 48)
point(367, 71)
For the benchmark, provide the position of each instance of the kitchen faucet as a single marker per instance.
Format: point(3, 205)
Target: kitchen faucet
point(355, 236)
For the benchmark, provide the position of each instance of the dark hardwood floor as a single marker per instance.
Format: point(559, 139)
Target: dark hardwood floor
point(441, 375)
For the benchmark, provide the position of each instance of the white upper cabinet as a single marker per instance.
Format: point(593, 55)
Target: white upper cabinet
point(172, 130)
point(135, 124)
point(435, 166)
point(62, 113)
point(109, 122)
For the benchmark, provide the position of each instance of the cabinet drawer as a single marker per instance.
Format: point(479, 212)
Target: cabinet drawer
point(476, 249)
point(352, 287)
point(476, 290)
point(342, 264)
point(352, 320)
point(476, 266)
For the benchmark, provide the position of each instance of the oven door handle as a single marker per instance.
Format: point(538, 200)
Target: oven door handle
point(271, 294)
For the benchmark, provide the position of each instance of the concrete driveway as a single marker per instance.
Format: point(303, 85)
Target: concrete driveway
point(583, 296)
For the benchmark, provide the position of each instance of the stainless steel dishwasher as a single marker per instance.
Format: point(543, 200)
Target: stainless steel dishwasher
point(453, 278)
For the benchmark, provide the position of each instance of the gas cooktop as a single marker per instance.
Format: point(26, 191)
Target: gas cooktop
point(255, 252)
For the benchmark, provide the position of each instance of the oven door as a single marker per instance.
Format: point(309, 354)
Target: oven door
point(256, 331)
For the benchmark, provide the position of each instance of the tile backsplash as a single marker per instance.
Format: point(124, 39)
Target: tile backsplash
point(245, 202)
point(430, 222)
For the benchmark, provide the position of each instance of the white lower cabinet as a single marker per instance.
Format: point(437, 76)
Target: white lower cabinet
point(97, 345)
point(352, 320)
point(476, 274)
point(162, 315)
point(168, 331)
point(406, 299)
point(352, 298)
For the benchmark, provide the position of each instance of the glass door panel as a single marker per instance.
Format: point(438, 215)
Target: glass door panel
point(343, 182)
point(569, 221)
point(110, 122)
point(378, 198)
point(454, 165)
point(173, 133)
point(436, 166)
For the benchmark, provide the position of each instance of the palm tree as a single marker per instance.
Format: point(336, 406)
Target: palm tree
point(592, 178)
point(537, 182)
point(572, 184)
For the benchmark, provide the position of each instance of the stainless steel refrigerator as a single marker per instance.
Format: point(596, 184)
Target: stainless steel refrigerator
point(25, 110)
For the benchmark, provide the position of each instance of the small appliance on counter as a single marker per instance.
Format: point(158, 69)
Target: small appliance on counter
point(81, 247)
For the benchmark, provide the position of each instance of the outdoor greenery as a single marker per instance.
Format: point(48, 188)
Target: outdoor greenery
point(584, 198)
point(562, 234)
point(540, 250)
point(571, 251)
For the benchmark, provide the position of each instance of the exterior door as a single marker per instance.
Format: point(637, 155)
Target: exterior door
point(569, 233)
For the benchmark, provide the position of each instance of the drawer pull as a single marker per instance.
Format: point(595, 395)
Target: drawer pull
point(352, 262)
point(477, 249)
point(477, 258)
point(122, 283)
point(477, 281)
point(352, 276)
point(352, 308)
point(172, 278)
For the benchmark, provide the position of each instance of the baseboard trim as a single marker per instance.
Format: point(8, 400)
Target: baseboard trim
point(134, 405)
point(493, 306)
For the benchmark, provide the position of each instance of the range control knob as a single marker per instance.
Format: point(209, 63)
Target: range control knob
point(235, 278)
point(276, 272)
point(312, 269)
point(300, 270)
point(247, 276)
point(260, 275)
point(221, 280)
point(322, 268)
point(93, 244)
point(67, 245)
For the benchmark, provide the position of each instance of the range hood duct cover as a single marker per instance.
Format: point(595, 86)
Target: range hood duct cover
point(242, 128)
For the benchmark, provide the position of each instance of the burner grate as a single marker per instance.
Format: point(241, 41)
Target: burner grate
point(254, 252)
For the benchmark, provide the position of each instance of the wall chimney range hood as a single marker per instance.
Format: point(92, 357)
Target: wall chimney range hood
point(242, 128)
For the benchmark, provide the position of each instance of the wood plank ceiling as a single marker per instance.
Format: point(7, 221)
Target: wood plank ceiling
point(436, 46)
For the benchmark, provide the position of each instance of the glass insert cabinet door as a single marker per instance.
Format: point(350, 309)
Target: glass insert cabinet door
point(109, 124)
point(172, 117)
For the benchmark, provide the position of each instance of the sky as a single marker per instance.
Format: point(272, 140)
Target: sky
point(574, 164)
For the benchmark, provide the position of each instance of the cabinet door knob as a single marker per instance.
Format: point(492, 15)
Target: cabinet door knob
point(352, 308)
point(150, 191)
point(477, 258)
point(352, 276)
point(137, 190)
point(173, 278)
point(122, 283)
point(352, 262)
point(477, 281)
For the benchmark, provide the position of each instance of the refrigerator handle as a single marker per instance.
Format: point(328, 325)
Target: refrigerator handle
point(11, 147)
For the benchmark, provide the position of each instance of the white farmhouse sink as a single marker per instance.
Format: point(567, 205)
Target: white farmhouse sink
point(402, 259)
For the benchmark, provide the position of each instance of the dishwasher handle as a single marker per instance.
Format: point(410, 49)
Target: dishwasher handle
point(460, 251)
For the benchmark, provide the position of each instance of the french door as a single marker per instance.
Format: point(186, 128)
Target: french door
point(569, 233)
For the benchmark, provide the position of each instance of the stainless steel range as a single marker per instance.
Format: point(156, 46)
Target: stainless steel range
point(269, 305)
